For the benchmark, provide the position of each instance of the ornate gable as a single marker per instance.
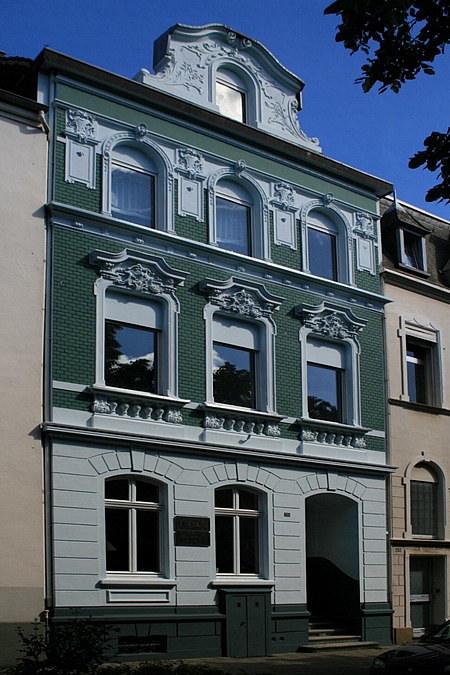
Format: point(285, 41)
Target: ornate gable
point(186, 61)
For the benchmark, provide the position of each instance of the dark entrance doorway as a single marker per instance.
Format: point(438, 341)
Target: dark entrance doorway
point(332, 559)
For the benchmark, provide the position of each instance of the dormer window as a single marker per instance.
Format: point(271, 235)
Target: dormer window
point(231, 96)
point(412, 250)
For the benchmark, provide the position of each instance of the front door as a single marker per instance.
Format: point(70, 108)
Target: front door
point(246, 624)
point(420, 574)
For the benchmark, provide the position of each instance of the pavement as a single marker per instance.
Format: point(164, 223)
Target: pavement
point(335, 662)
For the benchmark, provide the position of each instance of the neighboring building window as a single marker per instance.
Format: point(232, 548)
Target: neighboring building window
point(237, 518)
point(132, 525)
point(419, 365)
point(231, 95)
point(233, 218)
point(132, 186)
point(412, 249)
point(234, 375)
point(133, 344)
point(326, 381)
point(424, 501)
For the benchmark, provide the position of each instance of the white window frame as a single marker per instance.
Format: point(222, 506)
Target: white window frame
point(132, 506)
point(159, 302)
point(333, 222)
point(163, 177)
point(337, 329)
point(235, 514)
point(120, 164)
point(443, 530)
point(261, 328)
point(257, 200)
point(401, 243)
point(428, 337)
point(241, 80)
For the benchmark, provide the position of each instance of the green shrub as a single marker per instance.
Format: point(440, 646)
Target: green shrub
point(73, 648)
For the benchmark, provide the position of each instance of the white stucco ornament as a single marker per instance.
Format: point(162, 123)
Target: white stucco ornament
point(187, 60)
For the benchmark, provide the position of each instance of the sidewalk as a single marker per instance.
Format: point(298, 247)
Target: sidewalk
point(337, 662)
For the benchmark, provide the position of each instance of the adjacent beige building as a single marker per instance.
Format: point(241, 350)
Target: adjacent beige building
point(23, 159)
point(416, 252)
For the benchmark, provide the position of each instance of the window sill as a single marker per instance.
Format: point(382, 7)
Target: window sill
point(131, 393)
point(136, 580)
point(230, 418)
point(332, 433)
point(413, 270)
point(420, 407)
point(241, 580)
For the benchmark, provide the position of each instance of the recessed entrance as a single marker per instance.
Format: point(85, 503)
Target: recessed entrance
point(332, 559)
point(427, 592)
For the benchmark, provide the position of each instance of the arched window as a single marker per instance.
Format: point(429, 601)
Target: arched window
point(238, 535)
point(326, 243)
point(322, 246)
point(424, 501)
point(132, 525)
point(234, 217)
point(132, 186)
point(231, 95)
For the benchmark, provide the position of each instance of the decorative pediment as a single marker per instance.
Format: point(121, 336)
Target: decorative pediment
point(330, 321)
point(81, 126)
point(138, 272)
point(186, 59)
point(240, 298)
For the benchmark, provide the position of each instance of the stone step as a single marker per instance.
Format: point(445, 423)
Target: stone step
point(340, 637)
point(322, 646)
point(326, 631)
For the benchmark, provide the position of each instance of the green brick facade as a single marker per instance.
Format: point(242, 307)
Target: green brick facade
point(320, 486)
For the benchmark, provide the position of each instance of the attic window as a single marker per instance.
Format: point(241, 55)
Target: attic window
point(412, 250)
point(231, 95)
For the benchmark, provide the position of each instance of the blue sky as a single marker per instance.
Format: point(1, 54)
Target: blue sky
point(372, 132)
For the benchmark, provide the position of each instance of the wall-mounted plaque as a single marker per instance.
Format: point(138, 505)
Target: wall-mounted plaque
point(192, 531)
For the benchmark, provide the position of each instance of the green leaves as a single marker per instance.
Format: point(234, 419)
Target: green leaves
point(435, 157)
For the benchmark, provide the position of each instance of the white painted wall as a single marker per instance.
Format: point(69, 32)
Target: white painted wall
point(23, 192)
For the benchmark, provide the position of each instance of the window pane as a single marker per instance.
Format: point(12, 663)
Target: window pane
point(230, 101)
point(117, 540)
point(423, 508)
point(412, 249)
point(224, 545)
point(147, 492)
point(417, 364)
point(132, 196)
point(324, 393)
point(147, 544)
point(224, 498)
point(322, 253)
point(117, 489)
point(233, 226)
point(233, 375)
point(248, 500)
point(249, 545)
point(130, 357)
